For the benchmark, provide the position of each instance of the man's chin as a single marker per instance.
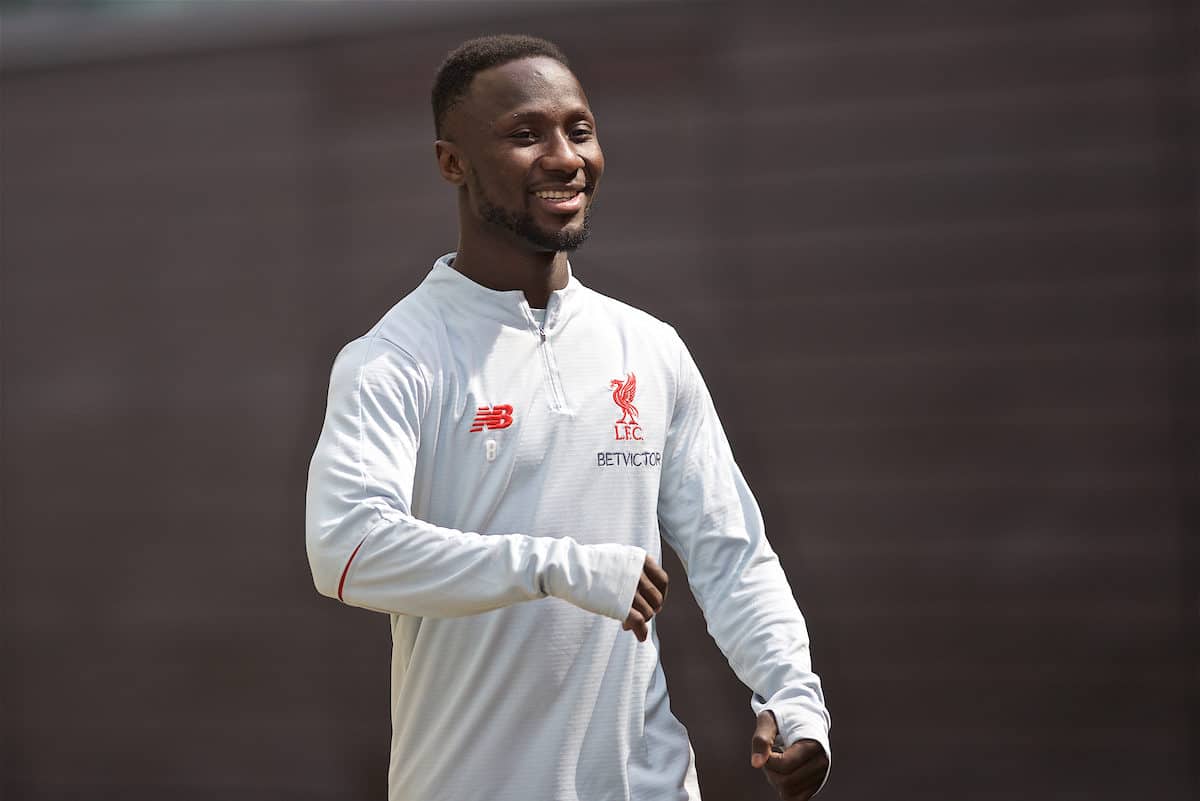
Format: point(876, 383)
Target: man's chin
point(571, 238)
point(567, 237)
point(525, 228)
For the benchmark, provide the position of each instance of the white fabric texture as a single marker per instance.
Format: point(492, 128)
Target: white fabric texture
point(508, 555)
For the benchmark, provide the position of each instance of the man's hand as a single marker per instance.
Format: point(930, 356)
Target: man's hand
point(648, 600)
point(796, 773)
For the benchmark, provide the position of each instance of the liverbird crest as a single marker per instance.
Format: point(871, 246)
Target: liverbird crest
point(623, 392)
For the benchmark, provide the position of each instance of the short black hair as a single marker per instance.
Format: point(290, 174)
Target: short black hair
point(476, 55)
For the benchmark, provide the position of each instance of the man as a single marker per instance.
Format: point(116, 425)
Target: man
point(500, 456)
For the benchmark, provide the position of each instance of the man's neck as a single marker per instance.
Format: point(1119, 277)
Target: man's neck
point(535, 273)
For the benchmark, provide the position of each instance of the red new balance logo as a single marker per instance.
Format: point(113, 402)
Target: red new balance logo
point(492, 417)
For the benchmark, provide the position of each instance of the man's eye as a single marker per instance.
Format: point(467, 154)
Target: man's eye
point(523, 136)
point(581, 134)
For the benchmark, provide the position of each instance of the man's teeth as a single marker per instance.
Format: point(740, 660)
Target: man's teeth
point(554, 195)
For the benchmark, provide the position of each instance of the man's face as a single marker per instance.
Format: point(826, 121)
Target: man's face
point(532, 159)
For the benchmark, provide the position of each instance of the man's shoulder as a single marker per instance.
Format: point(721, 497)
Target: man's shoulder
point(413, 324)
point(411, 330)
point(631, 317)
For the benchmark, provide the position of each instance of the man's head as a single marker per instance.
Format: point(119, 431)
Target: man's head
point(517, 137)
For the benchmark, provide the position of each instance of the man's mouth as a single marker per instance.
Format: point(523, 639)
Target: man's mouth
point(554, 194)
point(567, 200)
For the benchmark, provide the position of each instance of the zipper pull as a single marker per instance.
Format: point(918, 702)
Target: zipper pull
point(542, 331)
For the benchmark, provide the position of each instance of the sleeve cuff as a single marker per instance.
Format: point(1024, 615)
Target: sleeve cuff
point(793, 728)
point(601, 578)
point(620, 572)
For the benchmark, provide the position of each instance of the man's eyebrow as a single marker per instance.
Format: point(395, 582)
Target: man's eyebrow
point(515, 116)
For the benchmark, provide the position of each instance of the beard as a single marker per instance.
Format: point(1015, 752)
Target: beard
point(523, 227)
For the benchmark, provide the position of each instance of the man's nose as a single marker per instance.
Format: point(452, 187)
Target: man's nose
point(562, 156)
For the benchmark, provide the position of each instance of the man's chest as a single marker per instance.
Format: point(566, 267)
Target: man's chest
point(572, 394)
point(572, 422)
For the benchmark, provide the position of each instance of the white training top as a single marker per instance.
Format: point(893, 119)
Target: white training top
point(494, 484)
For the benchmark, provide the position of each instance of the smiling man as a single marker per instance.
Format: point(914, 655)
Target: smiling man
point(504, 454)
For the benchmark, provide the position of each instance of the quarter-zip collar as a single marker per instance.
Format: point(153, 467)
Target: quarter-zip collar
point(508, 307)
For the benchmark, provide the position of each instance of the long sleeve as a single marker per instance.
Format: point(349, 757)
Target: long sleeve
point(711, 520)
point(367, 549)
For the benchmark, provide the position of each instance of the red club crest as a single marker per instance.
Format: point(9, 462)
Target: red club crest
point(626, 426)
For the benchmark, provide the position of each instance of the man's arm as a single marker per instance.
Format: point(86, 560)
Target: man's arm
point(710, 519)
point(366, 548)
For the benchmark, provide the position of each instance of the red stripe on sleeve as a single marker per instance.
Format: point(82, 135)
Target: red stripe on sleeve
point(346, 569)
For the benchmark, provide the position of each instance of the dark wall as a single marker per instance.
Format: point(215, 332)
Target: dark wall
point(939, 267)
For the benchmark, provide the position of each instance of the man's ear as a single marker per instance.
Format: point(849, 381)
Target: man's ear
point(451, 163)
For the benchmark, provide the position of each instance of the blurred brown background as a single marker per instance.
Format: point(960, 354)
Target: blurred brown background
point(937, 260)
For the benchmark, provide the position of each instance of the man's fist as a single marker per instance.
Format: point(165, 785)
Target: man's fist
point(796, 772)
point(648, 600)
